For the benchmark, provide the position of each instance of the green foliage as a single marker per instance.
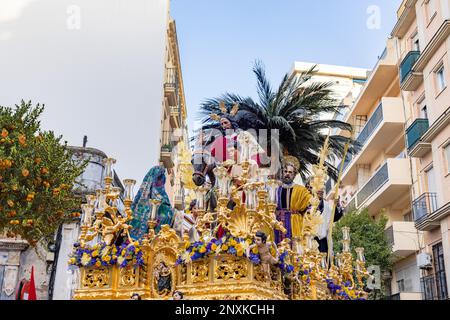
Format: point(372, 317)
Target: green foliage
point(37, 174)
point(367, 233)
point(294, 108)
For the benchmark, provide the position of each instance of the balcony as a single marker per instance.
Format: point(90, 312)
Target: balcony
point(427, 213)
point(402, 236)
point(406, 15)
point(167, 146)
point(434, 287)
point(386, 186)
point(386, 121)
point(351, 206)
point(416, 147)
point(424, 206)
point(171, 86)
point(175, 119)
point(409, 78)
point(379, 81)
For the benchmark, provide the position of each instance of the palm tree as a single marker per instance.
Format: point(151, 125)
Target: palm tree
point(295, 110)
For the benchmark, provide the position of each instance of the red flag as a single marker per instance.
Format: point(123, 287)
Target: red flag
point(32, 289)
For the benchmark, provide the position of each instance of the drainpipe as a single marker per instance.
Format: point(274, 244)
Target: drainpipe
point(55, 263)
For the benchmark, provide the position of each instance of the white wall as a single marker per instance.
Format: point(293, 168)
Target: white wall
point(97, 65)
point(65, 279)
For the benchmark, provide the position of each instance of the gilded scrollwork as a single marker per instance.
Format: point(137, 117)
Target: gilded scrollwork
point(128, 276)
point(96, 278)
point(231, 268)
point(200, 273)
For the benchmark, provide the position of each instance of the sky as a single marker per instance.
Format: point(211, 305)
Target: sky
point(220, 40)
point(98, 65)
point(98, 68)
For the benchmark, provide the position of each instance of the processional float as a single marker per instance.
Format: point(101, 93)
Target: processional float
point(114, 266)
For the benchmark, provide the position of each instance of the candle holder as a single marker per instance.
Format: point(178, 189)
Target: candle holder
point(91, 200)
point(200, 195)
point(109, 173)
point(360, 255)
point(345, 245)
point(151, 230)
point(223, 181)
point(346, 233)
point(323, 261)
point(155, 206)
point(114, 195)
point(308, 241)
point(272, 186)
point(129, 191)
point(250, 197)
point(84, 229)
point(87, 214)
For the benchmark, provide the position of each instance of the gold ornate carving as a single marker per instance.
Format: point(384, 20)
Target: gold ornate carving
point(128, 277)
point(200, 272)
point(96, 278)
point(230, 268)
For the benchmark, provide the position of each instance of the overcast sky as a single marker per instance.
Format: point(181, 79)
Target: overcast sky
point(98, 67)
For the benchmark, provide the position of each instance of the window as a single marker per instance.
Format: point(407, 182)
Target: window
point(408, 217)
point(415, 44)
point(440, 77)
point(439, 269)
point(447, 156)
point(408, 278)
point(424, 112)
point(431, 9)
point(401, 285)
point(431, 185)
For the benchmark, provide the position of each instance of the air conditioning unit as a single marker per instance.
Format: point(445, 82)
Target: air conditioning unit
point(424, 260)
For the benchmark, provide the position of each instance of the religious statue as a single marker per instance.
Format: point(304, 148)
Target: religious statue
point(177, 295)
point(293, 201)
point(153, 187)
point(112, 228)
point(322, 238)
point(267, 259)
point(163, 278)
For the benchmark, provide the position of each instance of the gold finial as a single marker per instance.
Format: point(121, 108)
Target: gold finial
point(235, 109)
point(214, 116)
point(223, 108)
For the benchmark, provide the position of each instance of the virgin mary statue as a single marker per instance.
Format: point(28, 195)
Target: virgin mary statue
point(152, 188)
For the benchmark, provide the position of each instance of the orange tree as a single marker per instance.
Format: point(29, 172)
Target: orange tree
point(37, 175)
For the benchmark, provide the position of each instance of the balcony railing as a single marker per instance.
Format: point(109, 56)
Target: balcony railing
point(441, 285)
point(374, 184)
point(171, 78)
point(415, 132)
point(371, 125)
point(425, 205)
point(407, 64)
point(381, 57)
point(394, 297)
point(434, 287)
point(428, 288)
point(367, 131)
point(389, 234)
point(351, 205)
point(174, 109)
point(167, 142)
